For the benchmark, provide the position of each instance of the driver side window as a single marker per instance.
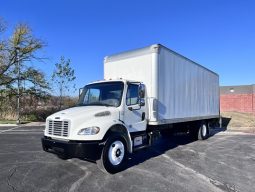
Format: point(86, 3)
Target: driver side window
point(132, 95)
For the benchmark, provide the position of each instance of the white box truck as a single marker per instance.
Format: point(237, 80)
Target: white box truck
point(144, 92)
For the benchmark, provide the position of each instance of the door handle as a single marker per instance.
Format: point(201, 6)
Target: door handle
point(143, 116)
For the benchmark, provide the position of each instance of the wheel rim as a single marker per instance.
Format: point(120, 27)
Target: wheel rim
point(116, 152)
point(204, 130)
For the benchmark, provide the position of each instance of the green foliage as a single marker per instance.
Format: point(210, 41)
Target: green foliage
point(31, 117)
point(39, 114)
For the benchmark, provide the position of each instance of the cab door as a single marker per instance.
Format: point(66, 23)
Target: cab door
point(135, 112)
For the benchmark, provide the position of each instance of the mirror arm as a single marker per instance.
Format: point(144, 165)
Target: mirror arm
point(134, 109)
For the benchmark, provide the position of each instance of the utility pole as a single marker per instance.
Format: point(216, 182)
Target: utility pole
point(18, 92)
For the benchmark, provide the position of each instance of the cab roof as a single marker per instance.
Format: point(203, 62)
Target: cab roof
point(115, 80)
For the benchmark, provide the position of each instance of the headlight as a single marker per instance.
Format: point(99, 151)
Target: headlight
point(89, 131)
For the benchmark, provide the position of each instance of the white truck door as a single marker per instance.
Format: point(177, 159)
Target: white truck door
point(134, 117)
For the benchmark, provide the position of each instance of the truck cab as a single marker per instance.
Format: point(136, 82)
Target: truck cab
point(108, 122)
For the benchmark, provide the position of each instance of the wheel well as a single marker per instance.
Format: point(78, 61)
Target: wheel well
point(120, 129)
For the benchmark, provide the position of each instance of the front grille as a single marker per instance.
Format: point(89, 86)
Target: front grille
point(58, 128)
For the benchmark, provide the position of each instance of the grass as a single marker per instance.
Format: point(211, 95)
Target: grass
point(238, 121)
point(12, 122)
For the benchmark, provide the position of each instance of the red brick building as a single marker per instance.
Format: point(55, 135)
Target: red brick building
point(237, 98)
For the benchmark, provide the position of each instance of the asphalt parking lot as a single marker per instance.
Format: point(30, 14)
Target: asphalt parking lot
point(224, 162)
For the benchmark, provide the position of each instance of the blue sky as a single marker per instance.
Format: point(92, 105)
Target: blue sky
point(219, 34)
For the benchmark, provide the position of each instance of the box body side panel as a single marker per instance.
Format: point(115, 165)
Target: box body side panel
point(185, 89)
point(177, 88)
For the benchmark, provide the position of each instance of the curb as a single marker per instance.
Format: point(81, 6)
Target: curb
point(8, 125)
point(23, 125)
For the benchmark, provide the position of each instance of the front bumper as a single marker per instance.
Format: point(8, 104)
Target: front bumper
point(90, 150)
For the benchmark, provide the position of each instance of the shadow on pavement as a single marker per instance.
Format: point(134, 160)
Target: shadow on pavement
point(217, 130)
point(163, 144)
point(225, 121)
point(224, 125)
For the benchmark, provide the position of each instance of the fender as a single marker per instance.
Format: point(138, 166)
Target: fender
point(120, 128)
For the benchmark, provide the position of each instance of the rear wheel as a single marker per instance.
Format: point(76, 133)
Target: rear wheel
point(114, 155)
point(203, 132)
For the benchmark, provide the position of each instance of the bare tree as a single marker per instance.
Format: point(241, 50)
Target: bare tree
point(22, 47)
point(16, 54)
point(63, 76)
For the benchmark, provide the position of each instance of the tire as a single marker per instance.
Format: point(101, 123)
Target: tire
point(114, 155)
point(203, 132)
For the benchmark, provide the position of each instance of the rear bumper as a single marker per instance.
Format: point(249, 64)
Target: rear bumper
point(90, 150)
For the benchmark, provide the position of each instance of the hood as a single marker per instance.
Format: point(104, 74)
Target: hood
point(76, 112)
point(83, 117)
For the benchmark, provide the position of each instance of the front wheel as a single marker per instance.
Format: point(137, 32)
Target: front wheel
point(114, 155)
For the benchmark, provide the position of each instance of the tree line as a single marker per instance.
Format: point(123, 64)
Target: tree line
point(21, 80)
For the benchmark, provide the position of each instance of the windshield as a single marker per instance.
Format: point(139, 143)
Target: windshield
point(106, 94)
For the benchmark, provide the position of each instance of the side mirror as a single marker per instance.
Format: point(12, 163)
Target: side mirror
point(141, 91)
point(80, 92)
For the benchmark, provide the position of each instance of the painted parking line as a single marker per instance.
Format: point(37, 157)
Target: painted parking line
point(5, 129)
point(22, 133)
point(22, 129)
point(13, 128)
point(234, 133)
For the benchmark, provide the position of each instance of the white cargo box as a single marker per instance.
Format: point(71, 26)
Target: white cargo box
point(177, 88)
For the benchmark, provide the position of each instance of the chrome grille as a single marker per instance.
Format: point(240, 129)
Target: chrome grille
point(58, 128)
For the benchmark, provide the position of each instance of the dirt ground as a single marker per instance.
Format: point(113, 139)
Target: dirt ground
point(238, 121)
